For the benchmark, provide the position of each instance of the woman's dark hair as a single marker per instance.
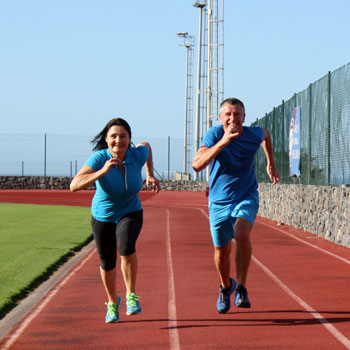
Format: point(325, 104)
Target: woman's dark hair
point(99, 141)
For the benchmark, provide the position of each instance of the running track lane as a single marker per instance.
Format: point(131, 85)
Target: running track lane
point(298, 286)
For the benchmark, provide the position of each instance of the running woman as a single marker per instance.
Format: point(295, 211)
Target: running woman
point(116, 209)
point(229, 148)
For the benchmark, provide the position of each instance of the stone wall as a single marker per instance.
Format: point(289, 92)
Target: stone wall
point(34, 182)
point(322, 210)
point(48, 182)
point(182, 185)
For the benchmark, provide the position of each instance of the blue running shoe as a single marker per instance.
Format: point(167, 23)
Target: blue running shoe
point(241, 299)
point(224, 303)
point(113, 311)
point(132, 304)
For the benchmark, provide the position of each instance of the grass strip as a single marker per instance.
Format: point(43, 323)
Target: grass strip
point(35, 241)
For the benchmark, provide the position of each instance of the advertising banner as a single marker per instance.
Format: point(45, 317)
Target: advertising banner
point(294, 143)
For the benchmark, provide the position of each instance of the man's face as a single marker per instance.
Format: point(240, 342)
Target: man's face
point(232, 116)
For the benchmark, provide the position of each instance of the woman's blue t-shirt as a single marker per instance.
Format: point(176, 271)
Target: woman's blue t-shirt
point(117, 193)
point(232, 173)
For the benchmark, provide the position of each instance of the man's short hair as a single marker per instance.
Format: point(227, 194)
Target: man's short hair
point(232, 101)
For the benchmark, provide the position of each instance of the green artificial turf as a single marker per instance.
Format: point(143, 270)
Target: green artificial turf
point(34, 241)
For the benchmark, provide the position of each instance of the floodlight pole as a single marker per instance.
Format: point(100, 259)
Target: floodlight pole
point(200, 5)
point(188, 43)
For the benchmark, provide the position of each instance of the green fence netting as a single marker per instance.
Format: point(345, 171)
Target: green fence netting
point(324, 132)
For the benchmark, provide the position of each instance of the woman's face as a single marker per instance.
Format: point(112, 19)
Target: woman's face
point(118, 141)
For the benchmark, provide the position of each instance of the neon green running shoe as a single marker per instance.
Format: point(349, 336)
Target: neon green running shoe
point(132, 304)
point(113, 311)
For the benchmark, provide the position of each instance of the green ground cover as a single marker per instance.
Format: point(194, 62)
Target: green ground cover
point(34, 241)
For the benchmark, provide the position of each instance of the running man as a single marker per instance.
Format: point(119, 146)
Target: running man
point(229, 148)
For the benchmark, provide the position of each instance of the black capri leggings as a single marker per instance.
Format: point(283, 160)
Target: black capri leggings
point(109, 235)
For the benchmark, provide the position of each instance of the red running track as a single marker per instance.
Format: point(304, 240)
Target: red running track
point(298, 285)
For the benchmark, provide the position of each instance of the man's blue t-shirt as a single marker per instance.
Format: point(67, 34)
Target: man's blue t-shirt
point(117, 193)
point(232, 173)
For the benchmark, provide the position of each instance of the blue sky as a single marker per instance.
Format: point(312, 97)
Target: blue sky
point(68, 66)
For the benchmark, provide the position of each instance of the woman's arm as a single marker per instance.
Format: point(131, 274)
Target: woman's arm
point(87, 175)
point(151, 181)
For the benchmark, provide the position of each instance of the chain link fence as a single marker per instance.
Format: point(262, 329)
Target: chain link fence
point(64, 155)
point(324, 132)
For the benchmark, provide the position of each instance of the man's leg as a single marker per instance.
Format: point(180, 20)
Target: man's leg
point(243, 249)
point(242, 259)
point(222, 258)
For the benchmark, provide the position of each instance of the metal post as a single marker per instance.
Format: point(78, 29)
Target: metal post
point(168, 157)
point(188, 42)
point(22, 168)
point(186, 110)
point(282, 147)
point(45, 155)
point(329, 131)
point(310, 136)
point(209, 74)
point(197, 128)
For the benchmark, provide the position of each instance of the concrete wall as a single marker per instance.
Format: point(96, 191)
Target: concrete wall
point(322, 210)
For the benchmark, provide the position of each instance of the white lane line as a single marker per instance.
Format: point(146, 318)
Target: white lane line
point(172, 323)
point(338, 335)
point(50, 295)
point(307, 243)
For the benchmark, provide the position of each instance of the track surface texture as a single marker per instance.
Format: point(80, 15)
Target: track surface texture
point(298, 285)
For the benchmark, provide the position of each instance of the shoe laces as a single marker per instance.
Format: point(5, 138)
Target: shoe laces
point(111, 308)
point(133, 300)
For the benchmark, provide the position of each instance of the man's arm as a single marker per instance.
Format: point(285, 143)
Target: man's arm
point(205, 155)
point(271, 167)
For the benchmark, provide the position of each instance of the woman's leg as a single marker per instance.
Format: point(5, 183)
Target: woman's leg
point(106, 244)
point(128, 230)
point(109, 279)
point(129, 271)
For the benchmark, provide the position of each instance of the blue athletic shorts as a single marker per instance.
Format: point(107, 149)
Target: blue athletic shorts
point(223, 217)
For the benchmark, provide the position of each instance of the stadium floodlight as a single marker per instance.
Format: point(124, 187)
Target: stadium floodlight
point(201, 4)
point(182, 34)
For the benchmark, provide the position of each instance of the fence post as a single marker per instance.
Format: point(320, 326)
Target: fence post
point(45, 155)
point(273, 127)
point(168, 157)
point(22, 168)
point(329, 130)
point(282, 146)
point(265, 176)
point(310, 135)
